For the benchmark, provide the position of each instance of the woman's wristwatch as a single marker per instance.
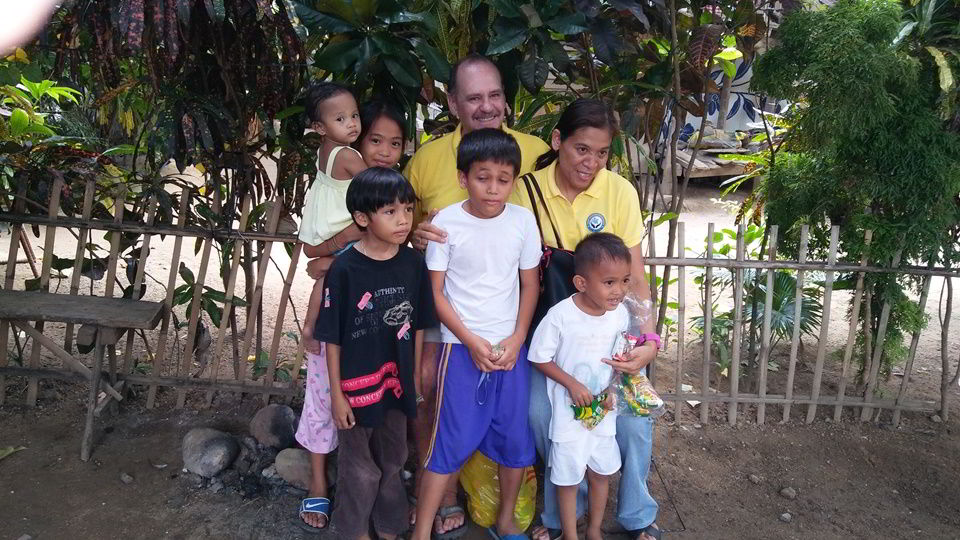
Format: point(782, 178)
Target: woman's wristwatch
point(648, 337)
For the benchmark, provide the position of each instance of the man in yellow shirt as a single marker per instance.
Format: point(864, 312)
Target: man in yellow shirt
point(476, 97)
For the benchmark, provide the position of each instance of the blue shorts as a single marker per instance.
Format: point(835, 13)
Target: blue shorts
point(480, 411)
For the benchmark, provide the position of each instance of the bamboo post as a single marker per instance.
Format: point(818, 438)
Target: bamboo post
point(824, 325)
point(281, 314)
point(681, 322)
point(765, 337)
point(878, 349)
point(88, 194)
point(168, 301)
point(852, 330)
point(111, 282)
point(86, 442)
point(707, 330)
point(138, 281)
point(49, 240)
point(737, 330)
point(18, 207)
point(274, 218)
point(228, 297)
point(295, 375)
point(653, 298)
point(797, 314)
point(914, 341)
point(196, 308)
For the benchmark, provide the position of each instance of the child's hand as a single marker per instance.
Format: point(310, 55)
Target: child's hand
point(342, 413)
point(317, 268)
point(511, 347)
point(611, 402)
point(482, 354)
point(309, 344)
point(579, 394)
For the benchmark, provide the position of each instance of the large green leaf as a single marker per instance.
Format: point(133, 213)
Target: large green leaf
point(572, 23)
point(314, 19)
point(533, 73)
point(435, 62)
point(403, 69)
point(553, 52)
point(507, 8)
point(509, 35)
point(427, 19)
point(337, 57)
point(18, 122)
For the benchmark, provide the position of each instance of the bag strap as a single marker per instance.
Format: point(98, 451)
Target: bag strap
point(331, 159)
point(529, 179)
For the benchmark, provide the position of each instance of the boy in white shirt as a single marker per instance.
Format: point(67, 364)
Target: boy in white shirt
point(486, 281)
point(569, 346)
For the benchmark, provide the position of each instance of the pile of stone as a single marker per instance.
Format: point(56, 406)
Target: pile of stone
point(264, 462)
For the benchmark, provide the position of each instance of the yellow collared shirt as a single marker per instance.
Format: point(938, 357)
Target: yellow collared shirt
point(433, 169)
point(610, 204)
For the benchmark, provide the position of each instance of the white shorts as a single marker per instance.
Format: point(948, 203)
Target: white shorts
point(569, 460)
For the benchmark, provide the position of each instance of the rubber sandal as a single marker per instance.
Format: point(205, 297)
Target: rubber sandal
point(650, 530)
point(492, 531)
point(314, 505)
point(444, 513)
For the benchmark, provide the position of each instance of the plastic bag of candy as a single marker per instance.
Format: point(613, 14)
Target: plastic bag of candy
point(591, 415)
point(635, 393)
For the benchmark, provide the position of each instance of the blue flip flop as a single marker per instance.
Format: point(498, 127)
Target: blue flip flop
point(314, 505)
point(492, 531)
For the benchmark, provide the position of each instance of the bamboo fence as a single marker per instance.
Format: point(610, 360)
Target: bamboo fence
point(173, 365)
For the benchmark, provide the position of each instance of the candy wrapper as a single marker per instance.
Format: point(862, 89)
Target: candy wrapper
point(591, 415)
point(635, 393)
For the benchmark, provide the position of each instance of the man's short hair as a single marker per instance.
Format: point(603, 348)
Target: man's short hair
point(488, 144)
point(472, 58)
point(598, 247)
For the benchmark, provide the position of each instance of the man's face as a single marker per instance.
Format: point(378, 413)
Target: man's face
point(479, 101)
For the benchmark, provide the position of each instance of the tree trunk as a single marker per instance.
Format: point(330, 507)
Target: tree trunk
point(945, 378)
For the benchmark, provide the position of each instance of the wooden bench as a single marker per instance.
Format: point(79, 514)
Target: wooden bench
point(110, 317)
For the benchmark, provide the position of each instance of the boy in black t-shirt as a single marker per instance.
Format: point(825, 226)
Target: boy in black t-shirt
point(377, 298)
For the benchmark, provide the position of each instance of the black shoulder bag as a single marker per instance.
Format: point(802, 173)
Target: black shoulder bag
point(556, 263)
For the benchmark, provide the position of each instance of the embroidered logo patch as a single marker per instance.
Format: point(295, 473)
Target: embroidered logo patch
point(596, 222)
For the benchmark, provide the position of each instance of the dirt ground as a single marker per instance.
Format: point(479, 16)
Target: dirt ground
point(852, 480)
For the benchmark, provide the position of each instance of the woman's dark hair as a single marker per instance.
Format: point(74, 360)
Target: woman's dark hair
point(318, 93)
point(376, 187)
point(371, 111)
point(581, 113)
point(488, 144)
point(598, 247)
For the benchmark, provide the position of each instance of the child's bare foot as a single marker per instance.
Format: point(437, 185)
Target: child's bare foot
point(450, 516)
point(507, 527)
point(594, 534)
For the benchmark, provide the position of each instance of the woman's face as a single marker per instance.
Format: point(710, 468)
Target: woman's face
point(581, 156)
point(382, 146)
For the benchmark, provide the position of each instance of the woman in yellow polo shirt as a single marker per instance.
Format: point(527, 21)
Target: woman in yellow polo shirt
point(582, 197)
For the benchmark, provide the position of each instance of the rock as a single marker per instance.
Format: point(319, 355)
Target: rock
point(293, 465)
point(207, 451)
point(126, 478)
point(754, 479)
point(269, 472)
point(191, 480)
point(216, 486)
point(788, 493)
point(25, 537)
point(274, 425)
point(936, 419)
point(698, 426)
point(786, 517)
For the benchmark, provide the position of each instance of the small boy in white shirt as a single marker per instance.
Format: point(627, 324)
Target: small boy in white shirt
point(486, 280)
point(569, 346)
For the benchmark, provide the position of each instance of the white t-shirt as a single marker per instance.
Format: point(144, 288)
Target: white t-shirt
point(576, 341)
point(482, 259)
